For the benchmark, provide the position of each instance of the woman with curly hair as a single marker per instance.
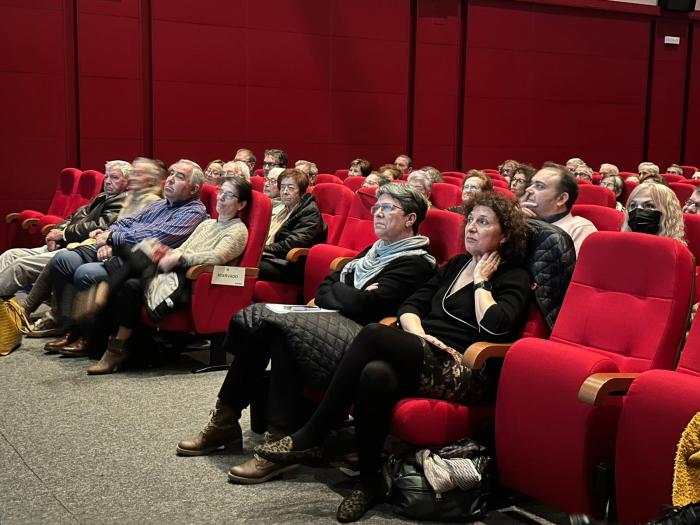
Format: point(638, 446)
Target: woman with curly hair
point(654, 209)
point(482, 295)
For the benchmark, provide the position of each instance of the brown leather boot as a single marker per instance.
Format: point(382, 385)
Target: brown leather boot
point(78, 348)
point(222, 430)
point(113, 358)
point(53, 346)
point(259, 470)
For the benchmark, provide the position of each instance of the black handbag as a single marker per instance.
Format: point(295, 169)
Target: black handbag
point(412, 496)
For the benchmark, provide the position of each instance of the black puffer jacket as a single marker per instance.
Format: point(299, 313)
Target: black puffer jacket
point(552, 257)
point(303, 229)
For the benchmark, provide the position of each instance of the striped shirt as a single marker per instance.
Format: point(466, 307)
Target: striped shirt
point(168, 223)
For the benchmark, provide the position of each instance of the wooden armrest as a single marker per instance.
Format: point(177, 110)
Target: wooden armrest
point(312, 302)
point(295, 254)
point(598, 387)
point(195, 271)
point(476, 355)
point(339, 262)
point(389, 321)
point(26, 223)
point(11, 217)
point(46, 229)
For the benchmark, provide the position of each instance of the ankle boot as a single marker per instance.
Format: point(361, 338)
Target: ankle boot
point(222, 430)
point(113, 358)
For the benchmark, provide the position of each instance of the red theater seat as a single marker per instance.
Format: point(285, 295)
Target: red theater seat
point(604, 218)
point(625, 174)
point(257, 183)
point(259, 172)
point(444, 196)
point(20, 237)
point(692, 236)
point(688, 170)
point(457, 174)
point(354, 183)
point(209, 194)
point(655, 411)
point(629, 186)
point(446, 233)
point(211, 306)
point(342, 174)
point(455, 181)
point(505, 191)
point(498, 183)
point(590, 194)
point(672, 177)
point(327, 178)
point(617, 316)
point(683, 190)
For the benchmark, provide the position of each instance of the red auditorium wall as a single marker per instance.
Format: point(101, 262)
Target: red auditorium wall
point(457, 84)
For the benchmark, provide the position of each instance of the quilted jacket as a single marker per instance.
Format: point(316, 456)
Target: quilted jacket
point(552, 257)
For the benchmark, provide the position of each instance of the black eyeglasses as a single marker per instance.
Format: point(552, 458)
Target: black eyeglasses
point(270, 165)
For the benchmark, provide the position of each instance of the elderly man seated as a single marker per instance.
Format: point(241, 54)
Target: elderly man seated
point(235, 168)
point(404, 164)
point(649, 172)
point(309, 169)
point(607, 170)
point(675, 169)
point(19, 267)
point(247, 156)
point(169, 221)
point(274, 158)
point(574, 163)
point(550, 196)
point(692, 205)
point(421, 181)
point(584, 173)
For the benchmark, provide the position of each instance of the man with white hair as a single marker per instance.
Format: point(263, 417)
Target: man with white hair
point(421, 181)
point(607, 169)
point(574, 163)
point(235, 168)
point(19, 267)
point(649, 172)
point(168, 221)
point(309, 169)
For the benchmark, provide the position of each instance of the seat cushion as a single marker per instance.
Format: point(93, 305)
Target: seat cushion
point(433, 422)
point(280, 293)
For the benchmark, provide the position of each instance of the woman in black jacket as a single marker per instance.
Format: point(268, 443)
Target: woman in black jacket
point(369, 288)
point(475, 297)
point(297, 224)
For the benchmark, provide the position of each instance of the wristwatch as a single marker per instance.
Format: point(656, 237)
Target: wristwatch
point(486, 285)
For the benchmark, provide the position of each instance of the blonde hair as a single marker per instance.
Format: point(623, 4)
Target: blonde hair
point(671, 224)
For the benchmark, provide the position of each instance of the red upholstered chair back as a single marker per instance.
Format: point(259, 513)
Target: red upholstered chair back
point(590, 194)
point(505, 191)
point(625, 174)
point(334, 202)
point(259, 172)
point(582, 182)
point(256, 216)
point(208, 195)
point(445, 196)
point(535, 326)
point(455, 181)
point(354, 183)
point(694, 182)
point(500, 183)
point(604, 218)
point(682, 190)
point(692, 233)
point(689, 170)
point(457, 174)
point(597, 177)
point(635, 276)
point(672, 177)
point(67, 185)
point(358, 231)
point(491, 171)
point(342, 174)
point(629, 186)
point(257, 183)
point(690, 356)
point(89, 185)
point(446, 233)
point(326, 178)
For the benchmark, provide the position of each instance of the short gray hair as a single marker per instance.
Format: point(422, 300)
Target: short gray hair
point(313, 169)
point(239, 166)
point(614, 170)
point(123, 166)
point(410, 200)
point(197, 178)
point(422, 177)
point(650, 166)
point(576, 161)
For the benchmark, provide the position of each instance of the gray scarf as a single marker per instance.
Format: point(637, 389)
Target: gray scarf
point(381, 254)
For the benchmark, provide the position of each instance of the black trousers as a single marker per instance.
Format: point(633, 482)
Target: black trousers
point(286, 406)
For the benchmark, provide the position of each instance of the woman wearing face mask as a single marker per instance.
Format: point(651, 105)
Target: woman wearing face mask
point(654, 209)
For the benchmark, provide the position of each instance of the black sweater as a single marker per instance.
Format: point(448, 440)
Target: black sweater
point(453, 319)
point(396, 281)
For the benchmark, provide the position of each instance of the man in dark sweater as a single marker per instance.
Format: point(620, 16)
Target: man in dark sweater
point(19, 267)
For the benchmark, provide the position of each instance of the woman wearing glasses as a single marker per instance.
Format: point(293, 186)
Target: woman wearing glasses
point(305, 348)
point(162, 269)
point(295, 224)
point(475, 182)
point(482, 295)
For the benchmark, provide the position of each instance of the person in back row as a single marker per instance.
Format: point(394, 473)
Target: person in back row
point(298, 224)
point(692, 205)
point(550, 197)
point(367, 289)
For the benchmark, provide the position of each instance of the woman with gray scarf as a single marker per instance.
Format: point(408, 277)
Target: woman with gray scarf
point(305, 348)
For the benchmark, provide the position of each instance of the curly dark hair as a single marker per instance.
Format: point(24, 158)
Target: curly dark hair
point(512, 221)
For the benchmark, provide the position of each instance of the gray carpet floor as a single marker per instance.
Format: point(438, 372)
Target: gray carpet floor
point(81, 449)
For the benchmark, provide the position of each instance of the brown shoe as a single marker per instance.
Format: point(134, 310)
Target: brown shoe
point(222, 430)
point(259, 470)
point(54, 346)
point(78, 348)
point(112, 360)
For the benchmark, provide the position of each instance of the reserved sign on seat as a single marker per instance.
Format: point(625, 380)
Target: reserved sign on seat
point(228, 275)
